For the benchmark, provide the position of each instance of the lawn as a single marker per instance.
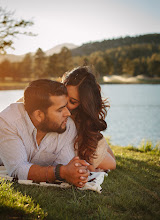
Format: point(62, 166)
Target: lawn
point(132, 191)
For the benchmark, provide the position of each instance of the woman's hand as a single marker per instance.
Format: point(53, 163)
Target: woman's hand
point(75, 172)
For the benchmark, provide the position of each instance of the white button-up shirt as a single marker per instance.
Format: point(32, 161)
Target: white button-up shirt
point(18, 146)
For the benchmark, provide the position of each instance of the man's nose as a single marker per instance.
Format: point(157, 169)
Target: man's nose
point(67, 112)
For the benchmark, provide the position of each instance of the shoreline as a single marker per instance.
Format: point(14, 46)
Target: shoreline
point(140, 79)
point(10, 85)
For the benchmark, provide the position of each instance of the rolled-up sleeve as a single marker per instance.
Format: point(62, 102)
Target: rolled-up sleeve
point(101, 152)
point(12, 152)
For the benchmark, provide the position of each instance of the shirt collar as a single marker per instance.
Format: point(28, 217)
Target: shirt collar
point(30, 126)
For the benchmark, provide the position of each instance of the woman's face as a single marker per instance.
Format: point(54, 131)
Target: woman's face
point(73, 97)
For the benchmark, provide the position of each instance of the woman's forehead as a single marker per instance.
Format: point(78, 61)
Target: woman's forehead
point(73, 92)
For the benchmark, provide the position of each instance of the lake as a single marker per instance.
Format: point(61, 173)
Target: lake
point(134, 113)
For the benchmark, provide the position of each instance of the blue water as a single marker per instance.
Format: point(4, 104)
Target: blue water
point(9, 96)
point(134, 113)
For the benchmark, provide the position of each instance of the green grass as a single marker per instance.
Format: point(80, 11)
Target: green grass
point(147, 147)
point(130, 192)
point(14, 204)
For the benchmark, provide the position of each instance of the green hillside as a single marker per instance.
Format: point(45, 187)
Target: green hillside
point(88, 48)
point(129, 57)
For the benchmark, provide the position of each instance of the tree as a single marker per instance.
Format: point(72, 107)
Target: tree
point(11, 28)
point(26, 66)
point(97, 60)
point(65, 61)
point(109, 64)
point(5, 69)
point(16, 69)
point(53, 65)
point(39, 64)
point(154, 65)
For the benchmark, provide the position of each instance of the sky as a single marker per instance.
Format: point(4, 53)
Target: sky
point(81, 21)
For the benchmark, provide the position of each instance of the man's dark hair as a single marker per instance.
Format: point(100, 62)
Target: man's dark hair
point(37, 94)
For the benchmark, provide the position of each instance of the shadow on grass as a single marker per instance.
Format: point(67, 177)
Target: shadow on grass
point(133, 189)
point(14, 213)
point(130, 191)
point(143, 173)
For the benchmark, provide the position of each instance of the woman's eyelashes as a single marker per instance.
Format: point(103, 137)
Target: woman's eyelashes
point(73, 102)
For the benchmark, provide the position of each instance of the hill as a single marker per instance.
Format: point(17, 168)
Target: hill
point(18, 58)
point(11, 57)
point(129, 56)
point(58, 48)
point(88, 48)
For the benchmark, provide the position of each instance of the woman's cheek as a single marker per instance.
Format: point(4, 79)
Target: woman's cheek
point(70, 106)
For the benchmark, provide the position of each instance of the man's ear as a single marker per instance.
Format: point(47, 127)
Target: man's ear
point(38, 115)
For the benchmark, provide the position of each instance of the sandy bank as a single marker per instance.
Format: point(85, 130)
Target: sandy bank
point(131, 80)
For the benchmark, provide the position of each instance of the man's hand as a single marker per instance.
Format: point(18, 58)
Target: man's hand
point(91, 168)
point(76, 175)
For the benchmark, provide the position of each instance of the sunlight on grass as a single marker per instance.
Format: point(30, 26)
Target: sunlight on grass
point(146, 146)
point(14, 204)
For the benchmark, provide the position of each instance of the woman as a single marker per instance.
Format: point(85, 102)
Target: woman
point(89, 111)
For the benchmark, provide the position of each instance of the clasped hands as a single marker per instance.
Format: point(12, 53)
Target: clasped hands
point(76, 172)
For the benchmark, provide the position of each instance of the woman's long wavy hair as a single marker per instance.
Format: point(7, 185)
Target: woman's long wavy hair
point(90, 114)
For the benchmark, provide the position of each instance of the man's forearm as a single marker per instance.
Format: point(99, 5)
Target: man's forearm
point(76, 175)
point(41, 174)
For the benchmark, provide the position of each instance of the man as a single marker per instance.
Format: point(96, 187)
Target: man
point(36, 137)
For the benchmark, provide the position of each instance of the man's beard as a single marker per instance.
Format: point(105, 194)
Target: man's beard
point(47, 126)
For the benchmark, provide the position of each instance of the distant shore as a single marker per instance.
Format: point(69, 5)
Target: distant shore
point(10, 85)
point(130, 80)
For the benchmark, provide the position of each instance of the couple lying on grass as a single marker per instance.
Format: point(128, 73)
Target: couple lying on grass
point(55, 133)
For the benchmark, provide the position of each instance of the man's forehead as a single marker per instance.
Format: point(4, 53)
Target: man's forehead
point(58, 100)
